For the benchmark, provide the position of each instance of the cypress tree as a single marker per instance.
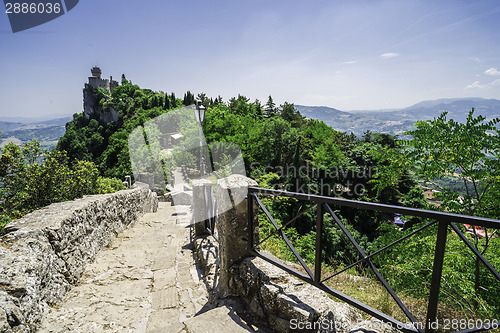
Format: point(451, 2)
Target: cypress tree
point(270, 109)
point(167, 104)
point(173, 101)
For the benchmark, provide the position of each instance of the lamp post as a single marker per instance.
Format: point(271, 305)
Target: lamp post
point(200, 117)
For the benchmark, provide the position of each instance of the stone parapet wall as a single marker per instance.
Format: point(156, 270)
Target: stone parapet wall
point(44, 253)
point(288, 304)
point(283, 302)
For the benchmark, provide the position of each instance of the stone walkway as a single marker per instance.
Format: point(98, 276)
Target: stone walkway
point(145, 281)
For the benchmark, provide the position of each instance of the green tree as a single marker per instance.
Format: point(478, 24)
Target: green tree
point(205, 101)
point(291, 114)
point(469, 151)
point(167, 104)
point(173, 101)
point(442, 148)
point(188, 98)
point(239, 105)
point(270, 108)
point(154, 101)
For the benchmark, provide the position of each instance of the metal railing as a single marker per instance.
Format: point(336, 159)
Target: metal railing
point(443, 220)
point(210, 204)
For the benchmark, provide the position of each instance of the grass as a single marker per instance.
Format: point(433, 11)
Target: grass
point(365, 288)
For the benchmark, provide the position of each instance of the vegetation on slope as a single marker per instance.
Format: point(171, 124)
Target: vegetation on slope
point(32, 177)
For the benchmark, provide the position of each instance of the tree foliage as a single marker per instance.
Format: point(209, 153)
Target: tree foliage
point(32, 178)
point(468, 151)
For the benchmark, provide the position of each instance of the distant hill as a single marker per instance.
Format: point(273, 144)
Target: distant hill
point(400, 120)
point(47, 132)
point(36, 119)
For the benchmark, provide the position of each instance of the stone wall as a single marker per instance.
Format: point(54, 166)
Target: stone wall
point(288, 304)
point(44, 253)
point(283, 302)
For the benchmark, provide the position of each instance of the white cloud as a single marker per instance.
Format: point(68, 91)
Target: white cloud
point(478, 85)
point(492, 71)
point(389, 55)
point(349, 62)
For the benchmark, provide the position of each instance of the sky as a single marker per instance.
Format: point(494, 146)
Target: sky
point(349, 55)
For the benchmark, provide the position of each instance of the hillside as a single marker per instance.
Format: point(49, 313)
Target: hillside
point(47, 132)
point(400, 120)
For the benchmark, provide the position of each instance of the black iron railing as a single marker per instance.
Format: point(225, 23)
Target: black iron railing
point(443, 220)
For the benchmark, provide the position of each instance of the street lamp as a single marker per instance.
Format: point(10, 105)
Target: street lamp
point(200, 117)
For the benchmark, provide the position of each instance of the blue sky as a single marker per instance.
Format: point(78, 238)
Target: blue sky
point(344, 54)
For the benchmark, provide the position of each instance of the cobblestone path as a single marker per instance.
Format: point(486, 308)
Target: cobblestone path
point(146, 280)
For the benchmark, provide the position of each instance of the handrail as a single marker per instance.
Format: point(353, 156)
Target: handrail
point(442, 219)
point(450, 217)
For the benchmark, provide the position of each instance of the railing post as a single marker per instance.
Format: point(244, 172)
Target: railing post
point(437, 270)
point(201, 211)
point(251, 241)
point(319, 235)
point(232, 224)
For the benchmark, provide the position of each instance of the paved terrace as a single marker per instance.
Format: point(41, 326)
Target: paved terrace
point(147, 280)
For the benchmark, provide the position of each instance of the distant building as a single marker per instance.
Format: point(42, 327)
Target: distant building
point(170, 140)
point(96, 81)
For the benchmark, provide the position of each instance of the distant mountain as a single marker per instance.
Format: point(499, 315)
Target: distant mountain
point(38, 119)
point(444, 101)
point(457, 108)
point(47, 132)
point(326, 114)
point(305, 110)
point(400, 120)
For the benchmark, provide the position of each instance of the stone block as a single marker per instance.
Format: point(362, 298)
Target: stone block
point(182, 198)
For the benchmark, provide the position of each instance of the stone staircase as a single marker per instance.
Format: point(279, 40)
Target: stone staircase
point(146, 280)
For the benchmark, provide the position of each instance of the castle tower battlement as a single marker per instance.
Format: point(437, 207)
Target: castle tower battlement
point(96, 81)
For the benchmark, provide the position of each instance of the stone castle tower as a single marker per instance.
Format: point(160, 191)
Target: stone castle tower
point(91, 106)
point(96, 81)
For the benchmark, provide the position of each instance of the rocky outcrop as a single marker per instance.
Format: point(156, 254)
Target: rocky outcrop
point(44, 253)
point(91, 106)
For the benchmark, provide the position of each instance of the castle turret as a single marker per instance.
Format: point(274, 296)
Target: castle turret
point(96, 72)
